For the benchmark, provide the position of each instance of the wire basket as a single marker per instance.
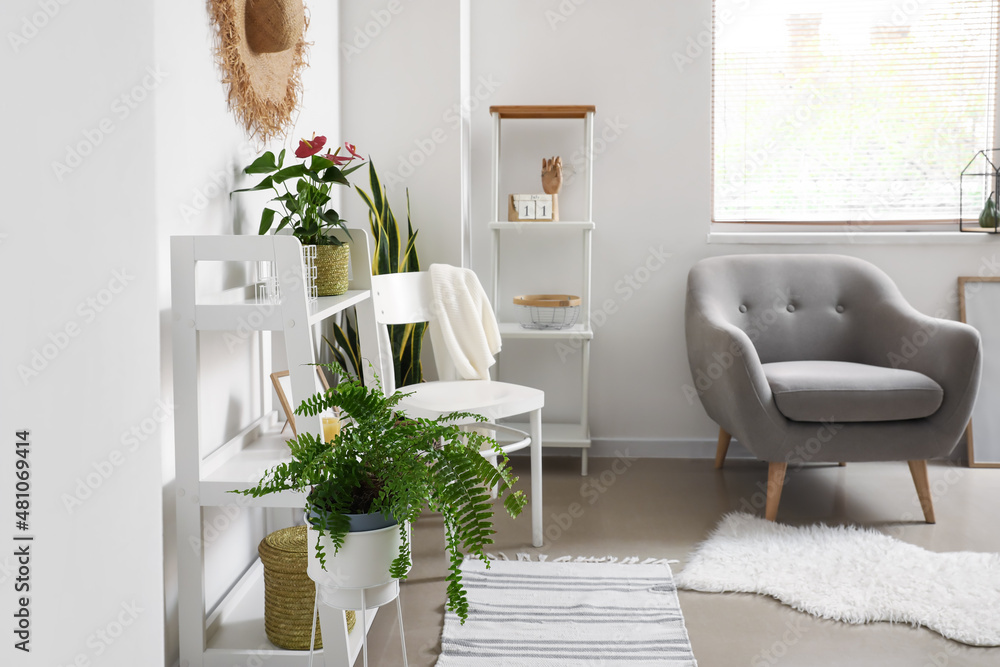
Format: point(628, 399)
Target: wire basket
point(547, 311)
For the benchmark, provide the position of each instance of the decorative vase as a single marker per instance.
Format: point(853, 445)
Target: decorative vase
point(331, 269)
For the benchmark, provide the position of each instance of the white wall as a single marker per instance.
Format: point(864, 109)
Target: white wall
point(69, 236)
point(159, 162)
point(652, 181)
point(402, 94)
point(202, 151)
point(652, 190)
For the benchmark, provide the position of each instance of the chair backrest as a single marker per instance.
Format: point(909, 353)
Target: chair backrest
point(402, 298)
point(795, 307)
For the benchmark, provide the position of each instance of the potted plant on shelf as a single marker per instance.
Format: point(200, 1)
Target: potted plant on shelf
point(392, 254)
point(377, 475)
point(302, 192)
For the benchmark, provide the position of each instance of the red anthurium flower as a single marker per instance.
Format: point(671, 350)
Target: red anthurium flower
point(309, 147)
point(338, 159)
point(351, 148)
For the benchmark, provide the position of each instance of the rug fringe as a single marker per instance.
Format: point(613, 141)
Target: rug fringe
point(543, 558)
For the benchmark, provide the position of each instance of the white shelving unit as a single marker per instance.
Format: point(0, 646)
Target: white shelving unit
point(232, 632)
point(553, 434)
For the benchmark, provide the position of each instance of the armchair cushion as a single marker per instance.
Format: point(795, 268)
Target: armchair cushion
point(840, 391)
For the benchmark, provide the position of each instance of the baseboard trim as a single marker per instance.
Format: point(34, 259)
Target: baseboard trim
point(676, 448)
point(651, 448)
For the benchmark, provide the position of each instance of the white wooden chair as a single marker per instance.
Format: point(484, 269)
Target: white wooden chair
point(404, 298)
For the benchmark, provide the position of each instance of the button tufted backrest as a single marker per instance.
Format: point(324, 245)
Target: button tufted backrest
point(795, 307)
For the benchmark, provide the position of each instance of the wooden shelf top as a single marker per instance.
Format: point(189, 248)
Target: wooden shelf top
point(544, 111)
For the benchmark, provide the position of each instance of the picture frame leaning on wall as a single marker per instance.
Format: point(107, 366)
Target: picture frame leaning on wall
point(283, 388)
point(979, 306)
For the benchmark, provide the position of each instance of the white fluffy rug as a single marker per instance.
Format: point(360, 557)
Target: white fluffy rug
point(852, 575)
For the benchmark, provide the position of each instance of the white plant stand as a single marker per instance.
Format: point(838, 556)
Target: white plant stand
point(576, 434)
point(332, 613)
point(233, 631)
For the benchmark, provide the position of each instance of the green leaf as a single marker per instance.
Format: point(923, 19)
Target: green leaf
point(284, 223)
point(383, 261)
point(289, 201)
point(410, 260)
point(262, 165)
point(353, 168)
point(266, 184)
point(410, 257)
point(314, 195)
point(295, 171)
point(368, 201)
point(281, 158)
point(334, 175)
point(308, 228)
point(376, 186)
point(266, 218)
point(347, 343)
point(333, 219)
point(319, 163)
point(392, 233)
point(336, 352)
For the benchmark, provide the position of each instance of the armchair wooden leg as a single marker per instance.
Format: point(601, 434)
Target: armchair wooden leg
point(775, 480)
point(720, 452)
point(918, 469)
point(842, 464)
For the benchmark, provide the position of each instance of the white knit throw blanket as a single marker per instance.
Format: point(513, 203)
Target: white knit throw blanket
point(464, 330)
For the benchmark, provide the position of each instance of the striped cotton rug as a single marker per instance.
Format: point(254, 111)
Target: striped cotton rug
point(567, 613)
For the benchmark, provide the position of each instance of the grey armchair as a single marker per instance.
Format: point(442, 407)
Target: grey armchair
point(819, 358)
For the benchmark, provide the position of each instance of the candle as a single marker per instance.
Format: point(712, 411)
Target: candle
point(331, 428)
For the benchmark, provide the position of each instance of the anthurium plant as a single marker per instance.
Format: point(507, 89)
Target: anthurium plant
point(387, 463)
point(302, 190)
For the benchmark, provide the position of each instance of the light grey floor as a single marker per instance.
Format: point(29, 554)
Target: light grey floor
point(664, 507)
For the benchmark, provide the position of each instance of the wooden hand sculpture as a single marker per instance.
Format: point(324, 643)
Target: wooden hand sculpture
point(551, 175)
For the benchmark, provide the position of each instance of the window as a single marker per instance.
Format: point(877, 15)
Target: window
point(849, 111)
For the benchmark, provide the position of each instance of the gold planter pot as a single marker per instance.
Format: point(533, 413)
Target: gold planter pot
point(331, 269)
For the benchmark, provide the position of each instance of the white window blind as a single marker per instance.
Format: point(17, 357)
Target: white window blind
point(849, 111)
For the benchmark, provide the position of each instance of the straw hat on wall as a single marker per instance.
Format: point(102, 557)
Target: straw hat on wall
point(261, 49)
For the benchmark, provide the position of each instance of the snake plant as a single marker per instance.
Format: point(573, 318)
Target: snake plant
point(391, 255)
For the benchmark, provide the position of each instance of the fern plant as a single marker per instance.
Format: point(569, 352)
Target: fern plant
point(387, 463)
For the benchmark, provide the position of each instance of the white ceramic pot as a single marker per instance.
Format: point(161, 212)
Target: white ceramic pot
point(362, 564)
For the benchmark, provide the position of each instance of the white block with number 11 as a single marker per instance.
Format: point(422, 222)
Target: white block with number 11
point(524, 208)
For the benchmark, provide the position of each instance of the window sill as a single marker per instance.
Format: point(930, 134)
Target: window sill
point(737, 234)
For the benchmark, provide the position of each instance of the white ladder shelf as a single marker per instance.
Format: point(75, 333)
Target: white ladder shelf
point(576, 434)
point(233, 631)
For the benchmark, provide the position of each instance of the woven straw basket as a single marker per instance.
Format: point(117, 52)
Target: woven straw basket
point(331, 269)
point(289, 593)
